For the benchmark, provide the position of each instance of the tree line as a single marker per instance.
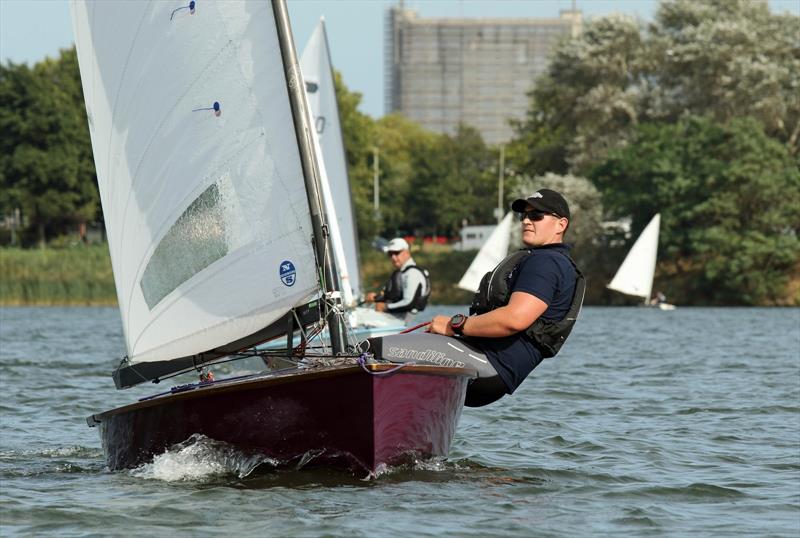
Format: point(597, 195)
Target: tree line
point(47, 174)
point(695, 115)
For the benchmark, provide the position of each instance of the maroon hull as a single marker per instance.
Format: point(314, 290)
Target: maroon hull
point(356, 420)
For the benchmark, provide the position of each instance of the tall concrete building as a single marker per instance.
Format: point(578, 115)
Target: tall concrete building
point(445, 71)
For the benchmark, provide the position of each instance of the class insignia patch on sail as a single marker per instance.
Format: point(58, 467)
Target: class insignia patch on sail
point(288, 273)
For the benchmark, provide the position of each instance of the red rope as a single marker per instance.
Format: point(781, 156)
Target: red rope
point(414, 328)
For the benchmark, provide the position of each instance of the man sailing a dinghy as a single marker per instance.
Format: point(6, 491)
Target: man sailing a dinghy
point(522, 313)
point(408, 287)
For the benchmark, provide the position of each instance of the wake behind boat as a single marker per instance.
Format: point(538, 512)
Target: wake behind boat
point(219, 241)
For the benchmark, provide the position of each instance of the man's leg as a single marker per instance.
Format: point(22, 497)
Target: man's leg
point(426, 348)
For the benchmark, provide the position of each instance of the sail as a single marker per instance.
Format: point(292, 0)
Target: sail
point(491, 253)
point(318, 74)
point(635, 275)
point(333, 222)
point(200, 176)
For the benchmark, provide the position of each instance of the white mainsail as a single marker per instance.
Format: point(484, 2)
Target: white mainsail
point(199, 171)
point(318, 74)
point(635, 275)
point(493, 251)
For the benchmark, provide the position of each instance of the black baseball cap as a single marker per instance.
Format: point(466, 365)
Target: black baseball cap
point(545, 200)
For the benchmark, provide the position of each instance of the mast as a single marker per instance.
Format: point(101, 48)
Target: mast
point(332, 306)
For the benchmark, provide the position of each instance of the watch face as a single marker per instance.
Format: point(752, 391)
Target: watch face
point(457, 320)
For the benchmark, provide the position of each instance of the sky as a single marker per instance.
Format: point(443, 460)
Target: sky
point(30, 30)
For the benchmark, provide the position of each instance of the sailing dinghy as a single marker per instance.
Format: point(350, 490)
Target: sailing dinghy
point(219, 241)
point(635, 275)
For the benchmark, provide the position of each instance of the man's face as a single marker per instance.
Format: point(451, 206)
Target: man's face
point(540, 228)
point(398, 258)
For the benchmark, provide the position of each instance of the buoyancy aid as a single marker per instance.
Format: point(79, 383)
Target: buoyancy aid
point(495, 291)
point(393, 291)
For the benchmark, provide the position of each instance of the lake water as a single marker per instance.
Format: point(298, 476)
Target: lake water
point(648, 423)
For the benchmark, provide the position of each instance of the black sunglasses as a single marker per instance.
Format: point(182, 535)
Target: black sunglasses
point(393, 253)
point(535, 216)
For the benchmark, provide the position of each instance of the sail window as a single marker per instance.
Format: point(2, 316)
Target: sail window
point(196, 240)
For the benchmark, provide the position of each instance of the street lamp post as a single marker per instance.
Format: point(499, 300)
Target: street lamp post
point(376, 185)
point(499, 211)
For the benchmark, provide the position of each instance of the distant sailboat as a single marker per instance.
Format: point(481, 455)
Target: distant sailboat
point(493, 251)
point(318, 75)
point(320, 89)
point(635, 275)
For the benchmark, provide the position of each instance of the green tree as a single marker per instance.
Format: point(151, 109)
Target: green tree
point(358, 133)
point(404, 146)
point(729, 197)
point(728, 58)
point(716, 58)
point(455, 181)
point(588, 96)
point(46, 166)
point(429, 183)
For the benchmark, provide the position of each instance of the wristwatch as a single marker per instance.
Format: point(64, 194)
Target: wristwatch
point(457, 323)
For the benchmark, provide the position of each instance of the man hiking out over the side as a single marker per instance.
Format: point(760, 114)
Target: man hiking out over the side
point(408, 287)
point(522, 313)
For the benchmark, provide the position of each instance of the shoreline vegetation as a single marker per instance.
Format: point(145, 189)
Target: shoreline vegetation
point(73, 276)
point(627, 120)
point(81, 275)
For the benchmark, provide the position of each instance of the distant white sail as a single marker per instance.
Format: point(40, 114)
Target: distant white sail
point(333, 223)
point(635, 275)
point(493, 251)
point(318, 74)
point(199, 171)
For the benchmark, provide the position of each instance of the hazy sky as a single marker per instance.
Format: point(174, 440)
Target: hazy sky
point(33, 29)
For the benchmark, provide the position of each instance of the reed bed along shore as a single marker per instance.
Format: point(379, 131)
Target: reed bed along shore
point(81, 275)
point(70, 276)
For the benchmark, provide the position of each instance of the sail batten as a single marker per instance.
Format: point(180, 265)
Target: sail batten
point(200, 177)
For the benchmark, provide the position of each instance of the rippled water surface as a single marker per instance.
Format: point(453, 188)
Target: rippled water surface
point(648, 423)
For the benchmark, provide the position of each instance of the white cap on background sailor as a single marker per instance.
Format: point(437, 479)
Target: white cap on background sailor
point(398, 244)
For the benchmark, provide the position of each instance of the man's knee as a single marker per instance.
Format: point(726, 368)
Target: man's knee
point(485, 390)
